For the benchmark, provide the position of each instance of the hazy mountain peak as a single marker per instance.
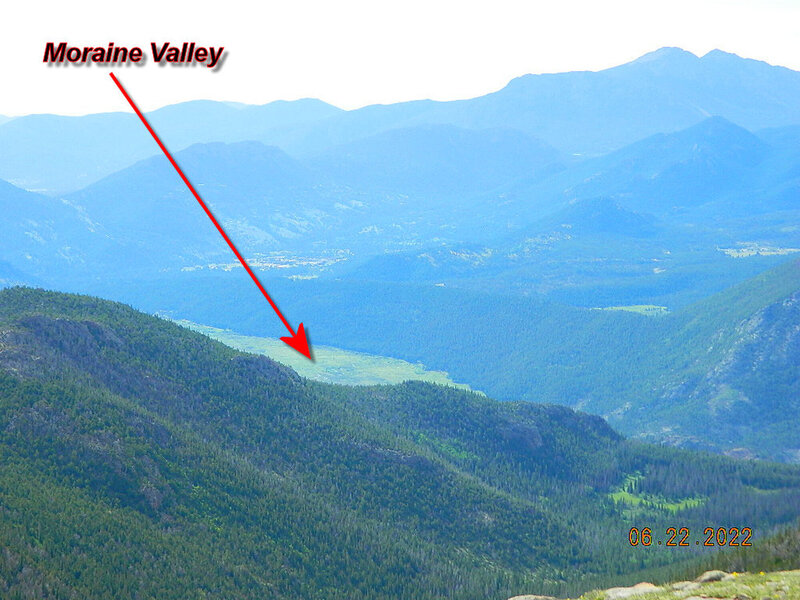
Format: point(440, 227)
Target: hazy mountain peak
point(199, 104)
point(715, 133)
point(717, 125)
point(717, 53)
point(241, 163)
point(725, 136)
point(603, 215)
point(305, 102)
point(250, 147)
point(664, 54)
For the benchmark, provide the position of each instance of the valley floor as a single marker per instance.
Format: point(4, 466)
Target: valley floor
point(330, 364)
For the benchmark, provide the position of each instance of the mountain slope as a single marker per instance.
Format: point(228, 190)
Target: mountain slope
point(266, 201)
point(282, 212)
point(11, 276)
point(665, 173)
point(127, 440)
point(436, 160)
point(539, 257)
point(684, 168)
point(41, 234)
point(732, 361)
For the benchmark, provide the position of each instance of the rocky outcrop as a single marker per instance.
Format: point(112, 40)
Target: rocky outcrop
point(711, 576)
point(636, 590)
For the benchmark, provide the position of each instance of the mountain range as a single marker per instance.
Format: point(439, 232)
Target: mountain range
point(428, 231)
point(337, 215)
point(578, 113)
point(80, 150)
point(610, 259)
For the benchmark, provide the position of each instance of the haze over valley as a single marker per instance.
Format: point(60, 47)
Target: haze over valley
point(543, 316)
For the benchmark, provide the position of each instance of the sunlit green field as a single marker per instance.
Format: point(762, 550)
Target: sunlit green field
point(627, 494)
point(330, 364)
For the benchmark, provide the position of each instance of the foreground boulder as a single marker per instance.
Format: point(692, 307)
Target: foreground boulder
point(711, 576)
point(635, 590)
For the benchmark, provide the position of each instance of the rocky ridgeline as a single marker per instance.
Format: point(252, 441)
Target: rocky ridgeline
point(711, 585)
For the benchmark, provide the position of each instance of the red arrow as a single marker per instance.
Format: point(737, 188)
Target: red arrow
point(298, 340)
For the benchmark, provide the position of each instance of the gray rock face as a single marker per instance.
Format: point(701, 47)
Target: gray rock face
point(685, 585)
point(636, 590)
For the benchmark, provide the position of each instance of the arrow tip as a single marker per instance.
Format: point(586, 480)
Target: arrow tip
point(299, 341)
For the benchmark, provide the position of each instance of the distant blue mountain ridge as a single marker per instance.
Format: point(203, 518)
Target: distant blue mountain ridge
point(435, 202)
point(578, 113)
point(52, 153)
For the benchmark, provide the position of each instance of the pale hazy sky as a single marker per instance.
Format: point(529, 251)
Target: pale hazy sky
point(352, 53)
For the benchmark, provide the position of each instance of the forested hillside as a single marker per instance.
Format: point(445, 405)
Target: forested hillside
point(729, 359)
point(142, 459)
